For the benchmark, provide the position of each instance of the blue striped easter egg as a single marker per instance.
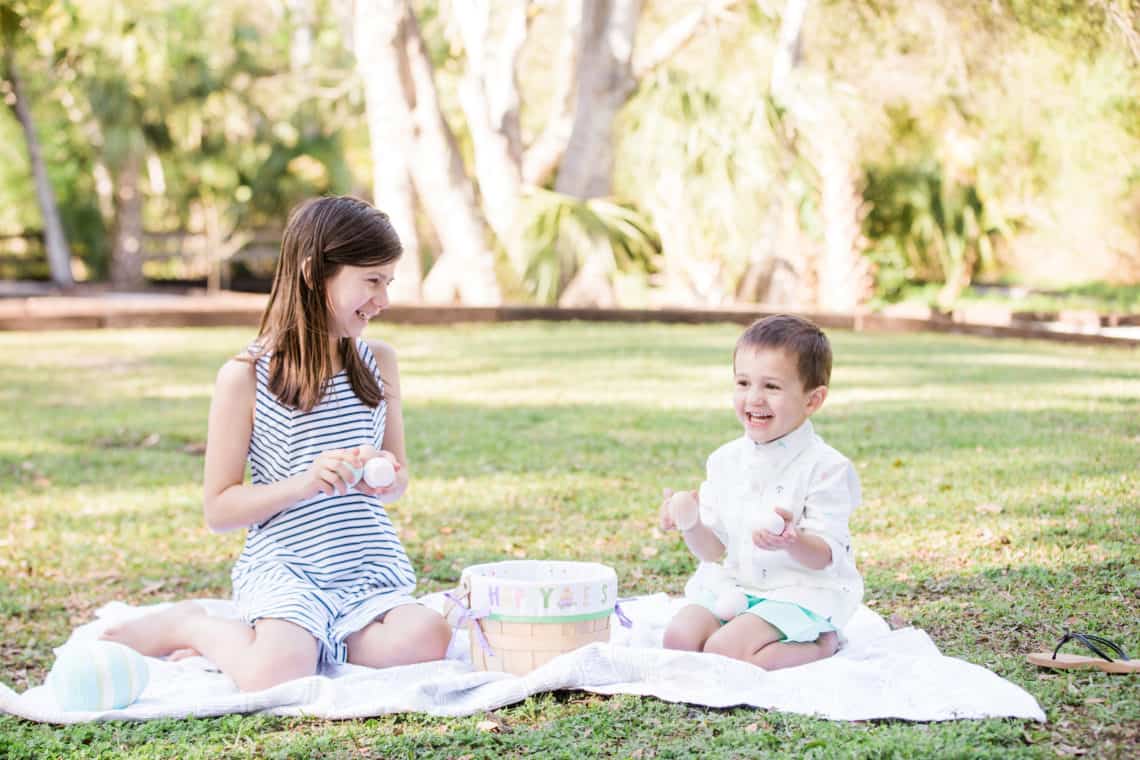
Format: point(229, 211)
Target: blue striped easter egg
point(97, 675)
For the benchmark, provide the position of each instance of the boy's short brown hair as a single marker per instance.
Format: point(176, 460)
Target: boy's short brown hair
point(800, 337)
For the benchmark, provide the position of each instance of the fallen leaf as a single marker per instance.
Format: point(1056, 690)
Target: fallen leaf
point(648, 551)
point(151, 440)
point(752, 728)
point(991, 509)
point(896, 621)
point(488, 726)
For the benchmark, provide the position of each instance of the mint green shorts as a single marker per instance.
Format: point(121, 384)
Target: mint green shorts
point(797, 624)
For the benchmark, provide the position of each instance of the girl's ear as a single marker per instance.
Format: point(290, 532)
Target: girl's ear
point(815, 399)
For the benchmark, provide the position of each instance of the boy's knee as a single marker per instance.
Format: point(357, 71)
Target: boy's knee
point(723, 645)
point(680, 637)
point(828, 643)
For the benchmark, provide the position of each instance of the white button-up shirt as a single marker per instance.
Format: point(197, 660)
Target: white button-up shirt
point(818, 486)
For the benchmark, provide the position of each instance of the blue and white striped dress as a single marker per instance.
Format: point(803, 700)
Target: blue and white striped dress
point(329, 564)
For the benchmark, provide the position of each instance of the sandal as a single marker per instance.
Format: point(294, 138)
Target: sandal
point(1095, 644)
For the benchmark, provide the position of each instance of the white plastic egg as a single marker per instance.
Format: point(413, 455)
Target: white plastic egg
point(769, 521)
point(379, 472)
point(729, 604)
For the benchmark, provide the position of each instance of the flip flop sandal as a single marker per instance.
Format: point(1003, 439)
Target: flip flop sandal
point(1095, 644)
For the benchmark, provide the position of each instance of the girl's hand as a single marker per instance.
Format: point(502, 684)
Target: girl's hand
point(763, 539)
point(330, 473)
point(368, 452)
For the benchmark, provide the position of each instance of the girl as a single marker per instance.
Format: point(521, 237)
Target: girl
point(323, 577)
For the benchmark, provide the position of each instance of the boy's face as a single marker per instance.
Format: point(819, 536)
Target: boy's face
point(769, 398)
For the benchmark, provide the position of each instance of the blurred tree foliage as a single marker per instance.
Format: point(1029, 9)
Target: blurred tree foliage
point(995, 138)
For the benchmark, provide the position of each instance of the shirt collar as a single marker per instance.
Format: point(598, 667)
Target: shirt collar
point(779, 452)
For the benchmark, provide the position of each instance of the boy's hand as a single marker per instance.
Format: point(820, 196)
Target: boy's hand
point(763, 539)
point(683, 510)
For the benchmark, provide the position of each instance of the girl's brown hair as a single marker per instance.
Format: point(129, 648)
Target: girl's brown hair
point(322, 236)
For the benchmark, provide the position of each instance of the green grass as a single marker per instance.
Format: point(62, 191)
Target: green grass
point(1000, 479)
point(1102, 297)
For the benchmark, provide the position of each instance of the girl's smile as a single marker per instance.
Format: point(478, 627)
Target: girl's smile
point(355, 296)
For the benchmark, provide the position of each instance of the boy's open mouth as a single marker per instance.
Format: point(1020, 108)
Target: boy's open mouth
point(758, 417)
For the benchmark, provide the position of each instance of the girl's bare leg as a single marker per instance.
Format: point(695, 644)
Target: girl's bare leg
point(690, 628)
point(266, 654)
point(406, 634)
point(757, 641)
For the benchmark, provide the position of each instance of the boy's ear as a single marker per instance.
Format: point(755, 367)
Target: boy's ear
point(815, 399)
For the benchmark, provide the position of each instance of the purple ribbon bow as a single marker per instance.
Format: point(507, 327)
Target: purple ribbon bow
point(473, 616)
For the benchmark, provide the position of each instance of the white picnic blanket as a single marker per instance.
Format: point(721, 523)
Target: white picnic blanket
point(879, 673)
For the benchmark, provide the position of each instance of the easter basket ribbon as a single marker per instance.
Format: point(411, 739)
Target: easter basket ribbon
point(468, 615)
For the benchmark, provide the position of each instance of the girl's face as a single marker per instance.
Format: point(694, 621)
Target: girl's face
point(769, 397)
point(356, 295)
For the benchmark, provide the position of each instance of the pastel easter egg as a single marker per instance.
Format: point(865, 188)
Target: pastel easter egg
point(97, 675)
point(379, 472)
point(729, 604)
point(769, 521)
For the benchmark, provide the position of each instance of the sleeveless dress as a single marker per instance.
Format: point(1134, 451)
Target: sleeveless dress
point(329, 564)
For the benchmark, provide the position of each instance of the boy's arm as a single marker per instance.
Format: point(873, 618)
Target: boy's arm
point(823, 531)
point(683, 512)
point(810, 551)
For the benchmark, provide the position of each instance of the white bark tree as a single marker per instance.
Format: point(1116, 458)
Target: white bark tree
point(465, 270)
point(836, 279)
point(379, 31)
point(55, 241)
point(607, 76)
point(595, 78)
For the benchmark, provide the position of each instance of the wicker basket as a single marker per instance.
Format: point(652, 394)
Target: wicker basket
point(531, 611)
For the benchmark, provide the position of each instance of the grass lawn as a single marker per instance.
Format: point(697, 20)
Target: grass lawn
point(1002, 504)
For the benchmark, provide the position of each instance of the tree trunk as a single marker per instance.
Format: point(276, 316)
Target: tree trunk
point(489, 96)
point(604, 84)
point(55, 241)
point(466, 270)
point(605, 81)
point(836, 277)
point(126, 241)
point(543, 156)
point(381, 30)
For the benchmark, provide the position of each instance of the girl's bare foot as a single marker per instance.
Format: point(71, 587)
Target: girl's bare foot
point(157, 634)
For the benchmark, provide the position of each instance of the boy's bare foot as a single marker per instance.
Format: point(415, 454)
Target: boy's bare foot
point(157, 634)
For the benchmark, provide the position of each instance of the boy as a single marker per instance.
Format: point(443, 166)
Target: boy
point(795, 581)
